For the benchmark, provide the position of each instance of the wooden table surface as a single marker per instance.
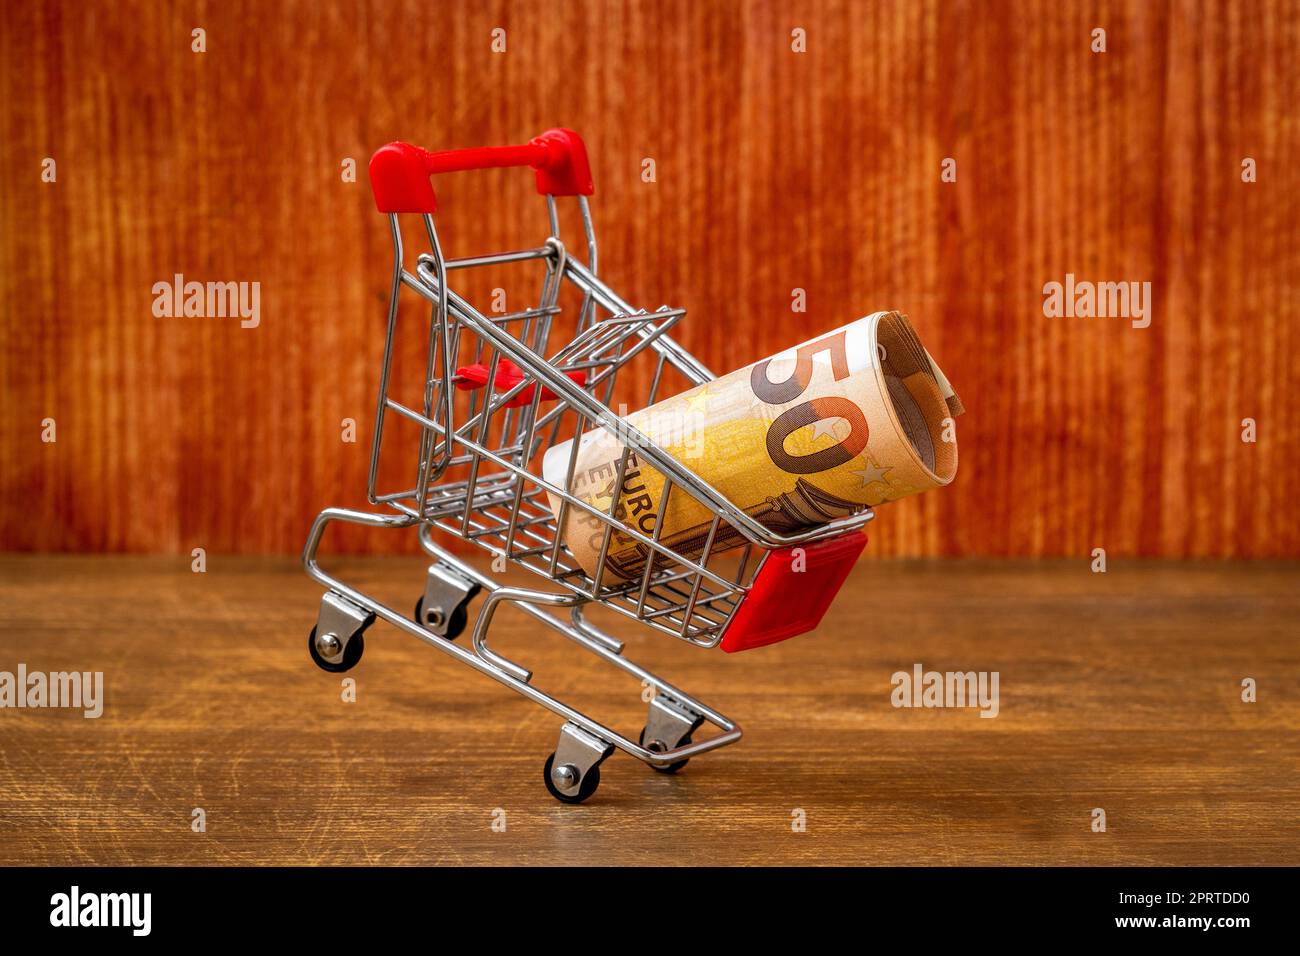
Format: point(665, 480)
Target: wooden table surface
point(1119, 691)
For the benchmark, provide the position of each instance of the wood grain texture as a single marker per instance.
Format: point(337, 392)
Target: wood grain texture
point(1119, 691)
point(775, 170)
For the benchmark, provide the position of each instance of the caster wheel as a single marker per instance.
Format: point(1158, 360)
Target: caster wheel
point(351, 654)
point(455, 627)
point(589, 783)
point(672, 767)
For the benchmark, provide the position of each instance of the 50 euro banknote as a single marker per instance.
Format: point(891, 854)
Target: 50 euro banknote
point(853, 418)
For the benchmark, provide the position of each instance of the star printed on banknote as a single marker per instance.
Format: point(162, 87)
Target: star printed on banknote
point(872, 473)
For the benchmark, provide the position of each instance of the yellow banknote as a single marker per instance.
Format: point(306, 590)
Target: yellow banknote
point(855, 417)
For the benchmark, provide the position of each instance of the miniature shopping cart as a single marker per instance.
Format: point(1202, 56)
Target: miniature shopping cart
point(499, 389)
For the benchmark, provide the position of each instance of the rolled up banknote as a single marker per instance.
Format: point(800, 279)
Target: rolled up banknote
point(856, 417)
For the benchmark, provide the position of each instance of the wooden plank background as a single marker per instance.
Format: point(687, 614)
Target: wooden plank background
point(775, 170)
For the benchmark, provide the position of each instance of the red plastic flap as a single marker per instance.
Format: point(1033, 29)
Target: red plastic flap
point(792, 592)
point(471, 377)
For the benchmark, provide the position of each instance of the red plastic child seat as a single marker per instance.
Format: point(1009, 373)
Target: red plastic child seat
point(792, 592)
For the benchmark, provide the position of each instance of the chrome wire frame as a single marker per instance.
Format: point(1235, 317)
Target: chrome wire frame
point(502, 506)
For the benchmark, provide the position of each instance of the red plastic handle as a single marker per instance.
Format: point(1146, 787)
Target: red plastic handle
point(399, 172)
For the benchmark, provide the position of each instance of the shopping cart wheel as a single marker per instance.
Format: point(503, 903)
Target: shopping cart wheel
point(572, 771)
point(351, 653)
point(455, 626)
point(672, 767)
point(590, 781)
